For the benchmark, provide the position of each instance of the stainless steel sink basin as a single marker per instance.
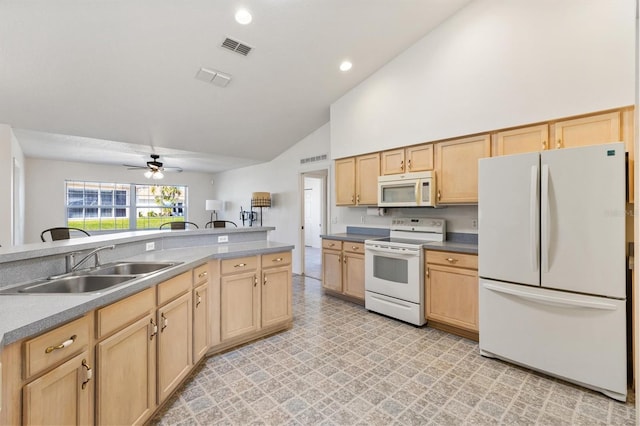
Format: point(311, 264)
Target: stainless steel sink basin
point(91, 280)
point(72, 284)
point(130, 268)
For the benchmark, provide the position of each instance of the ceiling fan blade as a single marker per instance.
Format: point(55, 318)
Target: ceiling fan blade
point(132, 167)
point(172, 169)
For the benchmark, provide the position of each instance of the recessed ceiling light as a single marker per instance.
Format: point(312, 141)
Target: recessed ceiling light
point(243, 16)
point(345, 66)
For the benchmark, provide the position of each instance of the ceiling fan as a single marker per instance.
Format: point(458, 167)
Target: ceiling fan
point(154, 168)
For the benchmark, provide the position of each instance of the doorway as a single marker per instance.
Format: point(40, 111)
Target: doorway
point(314, 208)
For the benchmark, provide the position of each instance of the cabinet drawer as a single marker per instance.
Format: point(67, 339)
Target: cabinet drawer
point(353, 247)
point(459, 260)
point(57, 345)
point(201, 274)
point(240, 264)
point(124, 312)
point(174, 287)
point(276, 259)
point(332, 244)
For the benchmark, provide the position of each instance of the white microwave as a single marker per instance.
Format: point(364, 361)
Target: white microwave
point(407, 190)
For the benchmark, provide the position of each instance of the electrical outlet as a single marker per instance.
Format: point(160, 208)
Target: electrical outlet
point(474, 223)
point(223, 238)
point(150, 246)
point(334, 220)
point(361, 219)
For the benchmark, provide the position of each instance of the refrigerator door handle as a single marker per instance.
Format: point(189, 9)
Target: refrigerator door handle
point(565, 302)
point(533, 218)
point(546, 218)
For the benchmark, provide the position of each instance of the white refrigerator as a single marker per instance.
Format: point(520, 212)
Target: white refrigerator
point(552, 263)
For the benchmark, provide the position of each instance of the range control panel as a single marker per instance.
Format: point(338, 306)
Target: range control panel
point(422, 224)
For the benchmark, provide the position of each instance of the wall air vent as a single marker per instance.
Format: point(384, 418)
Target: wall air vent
point(313, 159)
point(236, 46)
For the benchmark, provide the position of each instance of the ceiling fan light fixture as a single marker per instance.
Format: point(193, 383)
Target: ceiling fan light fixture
point(158, 174)
point(148, 174)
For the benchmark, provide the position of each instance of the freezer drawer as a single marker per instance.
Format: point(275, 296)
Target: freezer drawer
point(575, 337)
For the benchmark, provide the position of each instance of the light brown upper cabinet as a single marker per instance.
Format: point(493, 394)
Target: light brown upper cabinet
point(357, 180)
point(592, 130)
point(523, 139)
point(457, 168)
point(346, 181)
point(417, 158)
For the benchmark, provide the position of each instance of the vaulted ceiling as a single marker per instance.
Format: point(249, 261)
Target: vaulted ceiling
point(111, 81)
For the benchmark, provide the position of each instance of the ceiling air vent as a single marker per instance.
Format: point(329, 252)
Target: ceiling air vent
point(236, 46)
point(313, 159)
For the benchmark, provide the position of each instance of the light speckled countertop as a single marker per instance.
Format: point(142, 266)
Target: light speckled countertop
point(23, 316)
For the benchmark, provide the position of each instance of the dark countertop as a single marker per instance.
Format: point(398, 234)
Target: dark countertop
point(354, 238)
point(455, 247)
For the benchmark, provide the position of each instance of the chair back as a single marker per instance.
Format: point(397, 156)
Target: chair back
point(178, 225)
point(219, 224)
point(63, 233)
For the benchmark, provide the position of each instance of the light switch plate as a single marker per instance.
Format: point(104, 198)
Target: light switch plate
point(151, 246)
point(223, 238)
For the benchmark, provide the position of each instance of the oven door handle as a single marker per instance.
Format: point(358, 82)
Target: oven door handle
point(404, 253)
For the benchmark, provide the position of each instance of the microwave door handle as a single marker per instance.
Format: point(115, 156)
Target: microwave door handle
point(417, 192)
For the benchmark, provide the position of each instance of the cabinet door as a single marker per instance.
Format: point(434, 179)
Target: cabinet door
point(392, 162)
point(353, 270)
point(239, 305)
point(524, 139)
point(276, 295)
point(457, 168)
point(332, 270)
point(420, 158)
point(174, 344)
point(593, 130)
point(200, 321)
point(346, 182)
point(367, 173)
point(125, 386)
point(452, 296)
point(63, 396)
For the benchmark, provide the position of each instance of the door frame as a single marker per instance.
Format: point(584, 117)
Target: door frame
point(323, 174)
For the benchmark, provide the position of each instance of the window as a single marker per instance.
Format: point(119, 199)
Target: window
point(95, 206)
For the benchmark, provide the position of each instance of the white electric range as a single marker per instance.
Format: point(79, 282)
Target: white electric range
point(394, 268)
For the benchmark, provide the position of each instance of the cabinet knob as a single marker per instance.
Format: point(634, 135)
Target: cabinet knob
point(279, 259)
point(439, 195)
point(62, 345)
point(544, 144)
point(402, 164)
point(255, 280)
point(240, 265)
point(198, 299)
point(409, 164)
point(354, 247)
point(331, 245)
point(559, 143)
point(88, 373)
point(352, 200)
point(202, 274)
point(358, 199)
point(451, 260)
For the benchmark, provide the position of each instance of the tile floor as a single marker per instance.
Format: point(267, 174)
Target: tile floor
point(313, 262)
point(342, 365)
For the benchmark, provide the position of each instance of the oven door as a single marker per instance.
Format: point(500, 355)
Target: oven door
point(393, 272)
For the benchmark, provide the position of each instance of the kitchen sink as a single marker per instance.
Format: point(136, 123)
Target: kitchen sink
point(129, 268)
point(91, 280)
point(72, 284)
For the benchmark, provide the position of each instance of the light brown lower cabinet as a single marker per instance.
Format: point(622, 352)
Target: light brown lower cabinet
point(255, 298)
point(126, 380)
point(62, 396)
point(451, 294)
point(174, 344)
point(143, 346)
point(343, 268)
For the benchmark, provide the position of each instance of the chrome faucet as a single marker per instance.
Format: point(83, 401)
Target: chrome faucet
point(70, 258)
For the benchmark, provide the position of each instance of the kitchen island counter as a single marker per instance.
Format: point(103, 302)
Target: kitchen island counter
point(22, 316)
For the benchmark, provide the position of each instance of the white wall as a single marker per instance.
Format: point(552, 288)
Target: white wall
point(11, 188)
point(280, 177)
point(494, 64)
point(45, 197)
